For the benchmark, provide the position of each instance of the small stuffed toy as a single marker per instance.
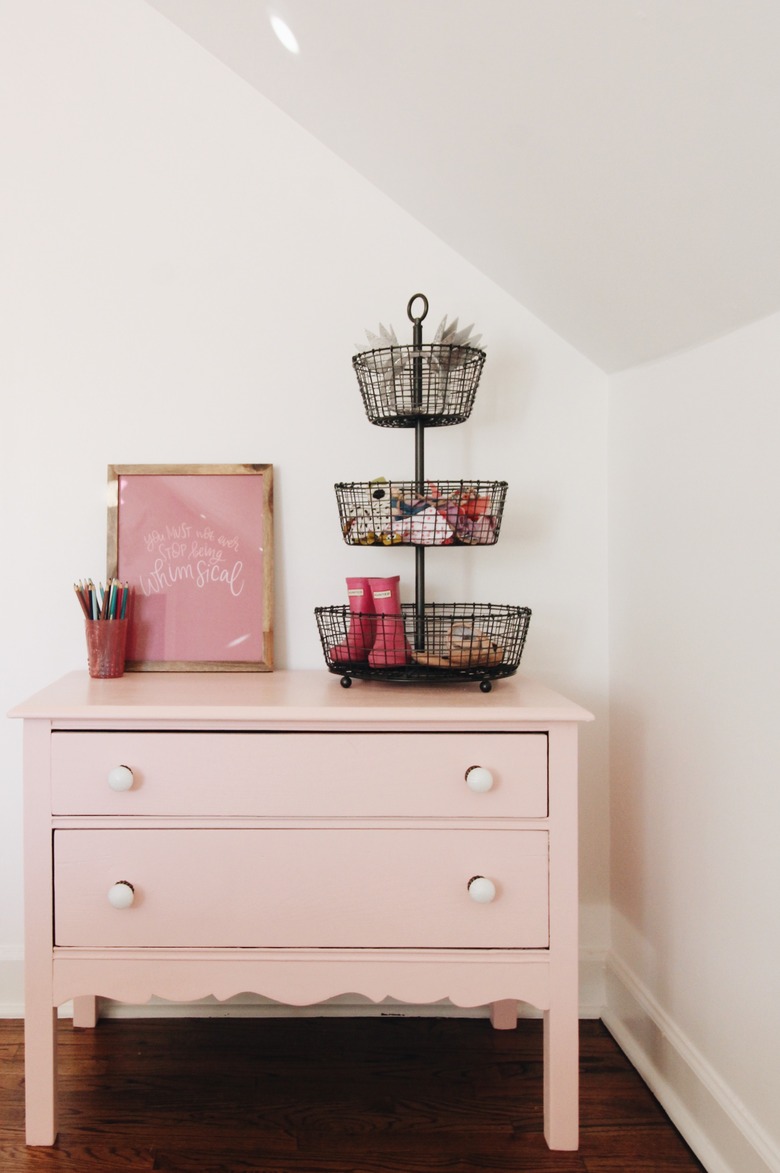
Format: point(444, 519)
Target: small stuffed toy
point(477, 532)
point(359, 527)
point(420, 521)
point(371, 517)
point(427, 526)
point(382, 512)
point(461, 646)
point(467, 516)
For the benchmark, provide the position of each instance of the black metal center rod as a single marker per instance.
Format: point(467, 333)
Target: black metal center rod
point(419, 466)
point(419, 553)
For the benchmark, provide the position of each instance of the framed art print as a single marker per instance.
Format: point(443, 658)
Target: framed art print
point(195, 545)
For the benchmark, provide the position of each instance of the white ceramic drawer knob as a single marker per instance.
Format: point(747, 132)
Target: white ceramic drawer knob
point(479, 779)
point(120, 778)
point(481, 889)
point(121, 894)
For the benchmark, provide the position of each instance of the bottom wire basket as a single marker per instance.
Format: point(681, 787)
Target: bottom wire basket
point(444, 641)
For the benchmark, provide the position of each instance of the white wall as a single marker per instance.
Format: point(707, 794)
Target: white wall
point(695, 657)
point(185, 275)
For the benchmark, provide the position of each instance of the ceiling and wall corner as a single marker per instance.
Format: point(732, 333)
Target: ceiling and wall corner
point(612, 165)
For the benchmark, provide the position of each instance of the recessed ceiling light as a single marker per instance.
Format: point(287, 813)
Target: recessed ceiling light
point(284, 34)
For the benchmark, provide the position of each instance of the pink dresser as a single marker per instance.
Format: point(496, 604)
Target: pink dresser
point(191, 834)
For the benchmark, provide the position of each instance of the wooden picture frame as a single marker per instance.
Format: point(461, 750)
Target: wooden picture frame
point(195, 544)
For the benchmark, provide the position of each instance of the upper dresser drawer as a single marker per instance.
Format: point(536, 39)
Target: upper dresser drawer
point(336, 775)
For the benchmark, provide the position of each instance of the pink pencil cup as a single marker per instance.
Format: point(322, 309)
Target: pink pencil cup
point(106, 642)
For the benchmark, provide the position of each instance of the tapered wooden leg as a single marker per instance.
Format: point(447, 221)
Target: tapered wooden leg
point(561, 1077)
point(85, 1014)
point(561, 1019)
point(503, 1014)
point(40, 1075)
point(40, 1015)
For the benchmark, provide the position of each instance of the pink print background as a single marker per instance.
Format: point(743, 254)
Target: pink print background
point(191, 548)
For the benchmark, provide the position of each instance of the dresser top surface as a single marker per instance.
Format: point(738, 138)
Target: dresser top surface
point(305, 696)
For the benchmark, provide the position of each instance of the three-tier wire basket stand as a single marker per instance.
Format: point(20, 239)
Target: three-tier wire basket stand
point(426, 385)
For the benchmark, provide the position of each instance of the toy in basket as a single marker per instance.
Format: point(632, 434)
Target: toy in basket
point(460, 645)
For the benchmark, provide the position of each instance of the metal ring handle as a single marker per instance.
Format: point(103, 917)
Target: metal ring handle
point(412, 300)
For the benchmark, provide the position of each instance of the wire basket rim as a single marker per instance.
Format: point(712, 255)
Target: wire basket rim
point(418, 351)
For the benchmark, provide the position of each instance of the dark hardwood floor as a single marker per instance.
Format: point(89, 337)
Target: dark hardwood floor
point(328, 1095)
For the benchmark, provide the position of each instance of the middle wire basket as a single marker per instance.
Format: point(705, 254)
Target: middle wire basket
point(444, 513)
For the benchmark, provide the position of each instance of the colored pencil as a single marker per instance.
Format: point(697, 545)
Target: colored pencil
point(103, 602)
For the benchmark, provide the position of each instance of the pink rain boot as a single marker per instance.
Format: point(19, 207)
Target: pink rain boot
point(390, 645)
point(362, 624)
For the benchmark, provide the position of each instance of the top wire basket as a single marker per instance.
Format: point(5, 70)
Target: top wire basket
point(432, 384)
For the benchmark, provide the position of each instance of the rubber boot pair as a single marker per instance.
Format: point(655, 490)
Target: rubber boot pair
point(376, 626)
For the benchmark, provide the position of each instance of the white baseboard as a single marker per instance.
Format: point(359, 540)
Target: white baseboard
point(11, 983)
point(716, 1125)
point(248, 1005)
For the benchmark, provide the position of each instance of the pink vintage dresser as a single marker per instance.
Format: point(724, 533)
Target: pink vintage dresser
point(191, 834)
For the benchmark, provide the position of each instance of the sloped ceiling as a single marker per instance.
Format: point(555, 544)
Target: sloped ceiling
point(614, 165)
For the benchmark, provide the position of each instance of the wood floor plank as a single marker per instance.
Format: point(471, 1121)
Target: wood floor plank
point(327, 1095)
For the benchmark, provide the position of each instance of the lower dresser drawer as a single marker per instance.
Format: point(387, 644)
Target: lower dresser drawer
point(350, 888)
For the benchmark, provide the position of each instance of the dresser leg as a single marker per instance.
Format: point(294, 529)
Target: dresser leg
point(561, 1079)
point(85, 1013)
point(40, 1075)
point(503, 1014)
